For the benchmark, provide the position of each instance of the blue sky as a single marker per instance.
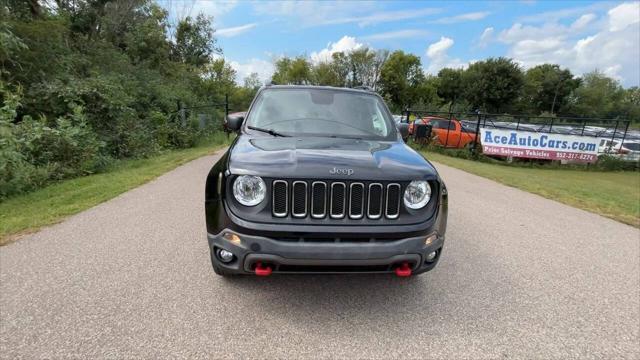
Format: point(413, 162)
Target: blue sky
point(580, 35)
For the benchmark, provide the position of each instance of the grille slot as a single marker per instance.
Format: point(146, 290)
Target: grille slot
point(280, 198)
point(375, 201)
point(356, 200)
point(393, 201)
point(299, 199)
point(318, 199)
point(338, 199)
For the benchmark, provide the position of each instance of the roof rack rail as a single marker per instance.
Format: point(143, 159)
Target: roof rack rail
point(363, 87)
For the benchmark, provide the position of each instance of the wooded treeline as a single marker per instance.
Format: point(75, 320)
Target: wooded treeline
point(83, 83)
point(494, 85)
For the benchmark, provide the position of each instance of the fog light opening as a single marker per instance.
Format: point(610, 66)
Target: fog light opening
point(225, 256)
point(431, 257)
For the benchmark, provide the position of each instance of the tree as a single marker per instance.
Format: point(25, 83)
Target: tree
point(146, 40)
point(493, 84)
point(241, 98)
point(300, 71)
point(219, 76)
point(450, 87)
point(253, 81)
point(340, 64)
point(630, 104)
point(428, 93)
point(597, 96)
point(325, 73)
point(400, 79)
point(547, 88)
point(281, 71)
point(195, 42)
point(361, 67)
point(292, 71)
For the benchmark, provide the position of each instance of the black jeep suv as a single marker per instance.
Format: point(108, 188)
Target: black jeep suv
point(319, 181)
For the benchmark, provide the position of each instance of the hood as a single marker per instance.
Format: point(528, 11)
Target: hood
point(320, 157)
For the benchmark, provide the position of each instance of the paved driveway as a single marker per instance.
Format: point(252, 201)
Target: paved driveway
point(521, 276)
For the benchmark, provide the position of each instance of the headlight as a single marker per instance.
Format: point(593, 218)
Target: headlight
point(417, 194)
point(249, 190)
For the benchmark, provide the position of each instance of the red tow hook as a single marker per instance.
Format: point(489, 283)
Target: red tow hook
point(264, 271)
point(403, 270)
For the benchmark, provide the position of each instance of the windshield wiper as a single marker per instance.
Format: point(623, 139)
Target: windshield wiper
point(345, 137)
point(268, 131)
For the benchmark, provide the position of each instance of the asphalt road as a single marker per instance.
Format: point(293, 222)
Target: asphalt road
point(521, 276)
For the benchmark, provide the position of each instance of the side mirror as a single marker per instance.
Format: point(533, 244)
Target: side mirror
point(404, 130)
point(234, 122)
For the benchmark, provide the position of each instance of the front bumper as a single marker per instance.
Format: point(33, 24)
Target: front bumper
point(321, 257)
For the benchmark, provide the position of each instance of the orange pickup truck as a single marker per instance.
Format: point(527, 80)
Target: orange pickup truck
point(448, 133)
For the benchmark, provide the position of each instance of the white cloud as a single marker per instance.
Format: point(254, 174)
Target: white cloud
point(439, 48)
point(345, 44)
point(518, 32)
point(262, 67)
point(610, 44)
point(316, 13)
point(235, 31)
point(583, 21)
point(384, 16)
point(399, 34)
point(473, 16)
point(438, 57)
point(486, 37)
point(556, 15)
point(624, 15)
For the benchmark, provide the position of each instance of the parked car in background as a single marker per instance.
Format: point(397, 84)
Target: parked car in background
point(398, 119)
point(448, 133)
point(629, 150)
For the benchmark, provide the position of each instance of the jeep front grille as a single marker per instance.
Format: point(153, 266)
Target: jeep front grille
point(336, 200)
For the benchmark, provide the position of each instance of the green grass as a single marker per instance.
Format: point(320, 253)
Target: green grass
point(615, 195)
point(29, 212)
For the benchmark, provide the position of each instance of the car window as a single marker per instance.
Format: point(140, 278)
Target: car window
point(442, 124)
point(632, 146)
point(379, 125)
point(322, 112)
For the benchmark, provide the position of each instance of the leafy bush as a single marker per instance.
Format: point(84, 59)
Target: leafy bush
point(16, 173)
point(71, 148)
point(610, 163)
point(33, 153)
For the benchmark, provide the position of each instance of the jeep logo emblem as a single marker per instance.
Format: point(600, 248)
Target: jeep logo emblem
point(338, 171)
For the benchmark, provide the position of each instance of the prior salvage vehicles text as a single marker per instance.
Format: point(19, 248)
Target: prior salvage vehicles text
point(318, 180)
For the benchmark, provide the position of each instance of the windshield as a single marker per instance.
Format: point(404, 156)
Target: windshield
point(322, 112)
